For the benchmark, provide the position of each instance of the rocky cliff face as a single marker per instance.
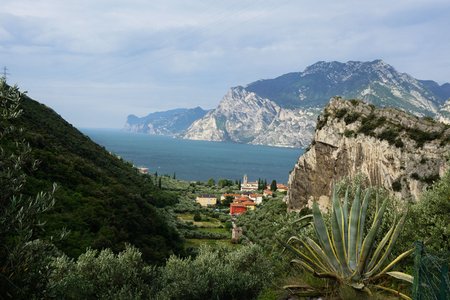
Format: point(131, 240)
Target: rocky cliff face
point(244, 117)
point(444, 113)
point(393, 149)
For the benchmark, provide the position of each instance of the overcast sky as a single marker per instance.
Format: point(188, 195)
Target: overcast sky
point(96, 61)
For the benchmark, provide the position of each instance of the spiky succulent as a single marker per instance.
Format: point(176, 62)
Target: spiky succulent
point(344, 252)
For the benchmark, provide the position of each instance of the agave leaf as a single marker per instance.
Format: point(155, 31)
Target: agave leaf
point(305, 258)
point(313, 258)
point(357, 285)
point(370, 238)
point(401, 276)
point(392, 240)
point(353, 229)
point(392, 291)
point(337, 233)
point(380, 247)
point(304, 265)
point(298, 286)
point(362, 220)
point(317, 258)
point(305, 217)
point(345, 222)
point(320, 253)
point(393, 263)
point(323, 236)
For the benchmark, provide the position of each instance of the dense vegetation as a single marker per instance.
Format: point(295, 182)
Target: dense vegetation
point(101, 199)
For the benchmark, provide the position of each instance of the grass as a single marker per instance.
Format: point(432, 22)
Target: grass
point(215, 230)
point(195, 243)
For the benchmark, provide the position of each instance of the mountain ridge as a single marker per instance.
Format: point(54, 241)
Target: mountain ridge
point(171, 122)
point(306, 93)
point(282, 111)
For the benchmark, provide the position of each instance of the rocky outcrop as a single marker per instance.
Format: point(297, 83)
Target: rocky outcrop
point(393, 149)
point(444, 113)
point(244, 117)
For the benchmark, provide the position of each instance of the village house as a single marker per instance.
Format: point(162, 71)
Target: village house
point(206, 200)
point(142, 170)
point(241, 205)
point(248, 185)
point(267, 193)
point(237, 209)
point(224, 196)
point(256, 197)
point(282, 188)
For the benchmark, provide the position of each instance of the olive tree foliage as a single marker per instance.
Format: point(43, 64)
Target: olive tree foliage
point(19, 214)
point(102, 275)
point(429, 218)
point(216, 274)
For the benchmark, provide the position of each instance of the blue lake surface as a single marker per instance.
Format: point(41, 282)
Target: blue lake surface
point(198, 160)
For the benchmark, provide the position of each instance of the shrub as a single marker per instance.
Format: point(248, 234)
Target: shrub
point(351, 118)
point(340, 113)
point(429, 218)
point(389, 134)
point(102, 275)
point(197, 217)
point(216, 274)
point(349, 133)
point(397, 185)
point(415, 176)
point(322, 120)
point(421, 137)
point(370, 123)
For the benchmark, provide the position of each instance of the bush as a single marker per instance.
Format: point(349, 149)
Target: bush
point(102, 275)
point(370, 123)
point(340, 113)
point(197, 217)
point(351, 118)
point(349, 133)
point(216, 274)
point(429, 218)
point(397, 185)
point(389, 134)
point(421, 137)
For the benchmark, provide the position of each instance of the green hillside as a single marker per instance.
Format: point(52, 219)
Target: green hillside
point(101, 199)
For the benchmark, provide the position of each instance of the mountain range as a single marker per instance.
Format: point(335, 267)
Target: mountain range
point(283, 111)
point(169, 122)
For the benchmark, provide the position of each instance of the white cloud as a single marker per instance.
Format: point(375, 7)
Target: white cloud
point(181, 52)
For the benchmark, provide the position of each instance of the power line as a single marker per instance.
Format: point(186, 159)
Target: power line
point(5, 73)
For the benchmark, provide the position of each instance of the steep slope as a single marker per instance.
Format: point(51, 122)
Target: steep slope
point(393, 149)
point(171, 122)
point(444, 112)
point(101, 199)
point(300, 95)
point(244, 117)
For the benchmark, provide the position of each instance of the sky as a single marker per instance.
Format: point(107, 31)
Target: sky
point(97, 61)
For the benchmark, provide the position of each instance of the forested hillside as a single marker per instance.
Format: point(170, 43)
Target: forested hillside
point(100, 199)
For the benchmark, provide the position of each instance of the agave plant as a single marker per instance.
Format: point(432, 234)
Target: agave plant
point(344, 252)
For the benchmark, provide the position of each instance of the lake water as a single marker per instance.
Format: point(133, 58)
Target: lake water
point(198, 160)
